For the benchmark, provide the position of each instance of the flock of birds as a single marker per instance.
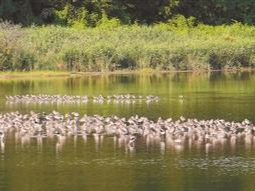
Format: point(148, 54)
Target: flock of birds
point(44, 98)
point(126, 130)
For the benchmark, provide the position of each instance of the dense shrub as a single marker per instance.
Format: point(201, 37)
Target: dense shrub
point(83, 13)
point(178, 45)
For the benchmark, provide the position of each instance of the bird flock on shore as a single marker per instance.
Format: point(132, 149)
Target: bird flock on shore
point(45, 98)
point(126, 130)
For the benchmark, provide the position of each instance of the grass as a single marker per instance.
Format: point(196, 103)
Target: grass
point(162, 47)
point(27, 74)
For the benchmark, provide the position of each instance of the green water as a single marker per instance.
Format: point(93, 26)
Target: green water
point(104, 164)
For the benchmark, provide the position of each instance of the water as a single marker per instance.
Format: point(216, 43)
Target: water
point(104, 164)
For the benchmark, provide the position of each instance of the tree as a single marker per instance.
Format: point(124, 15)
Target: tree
point(7, 9)
point(90, 12)
point(218, 11)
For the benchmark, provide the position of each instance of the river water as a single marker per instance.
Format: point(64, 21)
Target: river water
point(104, 164)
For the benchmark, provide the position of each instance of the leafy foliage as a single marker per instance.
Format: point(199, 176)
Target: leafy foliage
point(84, 13)
point(177, 45)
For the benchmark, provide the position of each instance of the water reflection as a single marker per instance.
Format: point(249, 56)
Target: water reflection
point(209, 95)
point(2, 144)
point(162, 145)
point(106, 162)
point(60, 143)
point(120, 166)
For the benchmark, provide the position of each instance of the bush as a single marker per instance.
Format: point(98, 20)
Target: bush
point(177, 45)
point(14, 55)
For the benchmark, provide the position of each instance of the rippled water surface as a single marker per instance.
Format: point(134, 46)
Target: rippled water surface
point(103, 163)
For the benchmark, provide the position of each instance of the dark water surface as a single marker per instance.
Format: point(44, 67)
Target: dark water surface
point(101, 163)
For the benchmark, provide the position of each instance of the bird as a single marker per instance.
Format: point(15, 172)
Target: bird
point(132, 140)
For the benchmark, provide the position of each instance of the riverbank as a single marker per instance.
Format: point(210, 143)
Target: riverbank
point(33, 74)
point(162, 47)
point(58, 74)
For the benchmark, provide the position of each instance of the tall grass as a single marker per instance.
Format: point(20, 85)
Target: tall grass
point(162, 47)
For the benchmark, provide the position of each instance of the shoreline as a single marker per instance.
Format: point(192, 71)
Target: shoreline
point(51, 74)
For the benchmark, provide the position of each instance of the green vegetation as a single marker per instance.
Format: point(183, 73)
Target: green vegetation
point(177, 45)
point(111, 35)
point(88, 12)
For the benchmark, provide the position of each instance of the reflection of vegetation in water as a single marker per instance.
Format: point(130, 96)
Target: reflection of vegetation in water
point(81, 164)
point(206, 95)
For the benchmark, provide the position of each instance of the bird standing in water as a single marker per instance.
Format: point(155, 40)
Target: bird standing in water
point(2, 136)
point(132, 139)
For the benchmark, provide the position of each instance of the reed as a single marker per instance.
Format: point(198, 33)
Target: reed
point(101, 49)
